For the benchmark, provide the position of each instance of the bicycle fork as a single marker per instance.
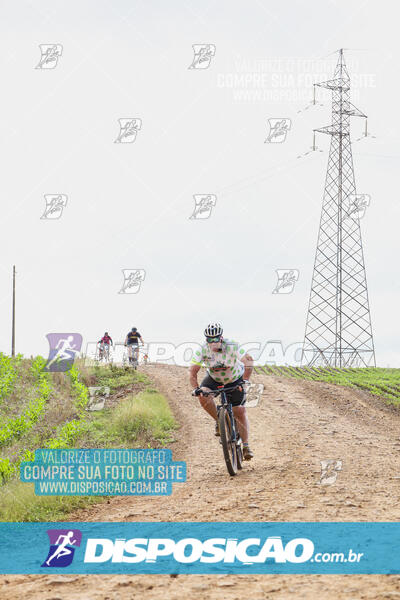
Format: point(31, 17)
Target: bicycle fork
point(236, 439)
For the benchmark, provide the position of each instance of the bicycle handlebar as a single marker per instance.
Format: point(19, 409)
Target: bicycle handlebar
point(220, 390)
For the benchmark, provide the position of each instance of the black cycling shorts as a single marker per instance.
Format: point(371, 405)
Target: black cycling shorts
point(235, 398)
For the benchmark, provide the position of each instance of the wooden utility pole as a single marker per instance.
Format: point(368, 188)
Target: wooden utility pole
point(13, 317)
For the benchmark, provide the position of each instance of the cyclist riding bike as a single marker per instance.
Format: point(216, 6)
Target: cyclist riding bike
point(132, 342)
point(105, 343)
point(227, 365)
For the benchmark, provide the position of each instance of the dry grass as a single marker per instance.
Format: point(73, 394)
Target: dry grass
point(139, 421)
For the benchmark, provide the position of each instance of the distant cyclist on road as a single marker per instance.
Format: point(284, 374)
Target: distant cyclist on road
point(226, 365)
point(132, 341)
point(105, 343)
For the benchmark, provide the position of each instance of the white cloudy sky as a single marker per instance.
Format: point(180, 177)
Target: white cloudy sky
point(203, 131)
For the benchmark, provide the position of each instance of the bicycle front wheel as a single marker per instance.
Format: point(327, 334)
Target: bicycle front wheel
point(228, 446)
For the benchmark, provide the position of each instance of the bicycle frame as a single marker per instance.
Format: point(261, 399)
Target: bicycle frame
point(222, 391)
point(133, 351)
point(103, 351)
point(228, 407)
point(230, 435)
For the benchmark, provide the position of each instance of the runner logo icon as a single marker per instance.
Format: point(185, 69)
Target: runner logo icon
point(62, 542)
point(63, 350)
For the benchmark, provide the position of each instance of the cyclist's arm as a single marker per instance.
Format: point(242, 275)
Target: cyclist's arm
point(248, 362)
point(193, 370)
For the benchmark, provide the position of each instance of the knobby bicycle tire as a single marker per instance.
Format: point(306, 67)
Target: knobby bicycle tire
point(229, 448)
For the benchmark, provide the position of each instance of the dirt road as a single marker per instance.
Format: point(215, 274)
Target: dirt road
point(296, 425)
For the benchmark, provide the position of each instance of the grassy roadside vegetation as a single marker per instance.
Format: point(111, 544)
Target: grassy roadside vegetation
point(381, 382)
point(135, 415)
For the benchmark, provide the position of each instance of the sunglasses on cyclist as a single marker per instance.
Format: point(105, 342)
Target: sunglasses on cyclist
point(213, 339)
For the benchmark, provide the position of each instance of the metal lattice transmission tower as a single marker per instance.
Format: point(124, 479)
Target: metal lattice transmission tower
point(338, 328)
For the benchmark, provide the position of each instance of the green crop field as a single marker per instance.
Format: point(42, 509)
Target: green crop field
point(50, 410)
point(381, 382)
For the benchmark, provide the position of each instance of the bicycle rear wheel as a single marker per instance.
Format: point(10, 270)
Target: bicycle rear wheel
point(228, 446)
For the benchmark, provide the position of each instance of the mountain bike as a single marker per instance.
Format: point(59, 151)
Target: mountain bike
point(100, 352)
point(134, 359)
point(228, 428)
point(133, 356)
point(103, 353)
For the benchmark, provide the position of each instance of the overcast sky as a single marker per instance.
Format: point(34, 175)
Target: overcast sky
point(203, 131)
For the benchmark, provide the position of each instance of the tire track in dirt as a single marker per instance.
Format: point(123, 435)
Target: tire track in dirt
point(296, 425)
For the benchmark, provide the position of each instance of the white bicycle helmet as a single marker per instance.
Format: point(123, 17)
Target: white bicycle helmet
point(213, 329)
